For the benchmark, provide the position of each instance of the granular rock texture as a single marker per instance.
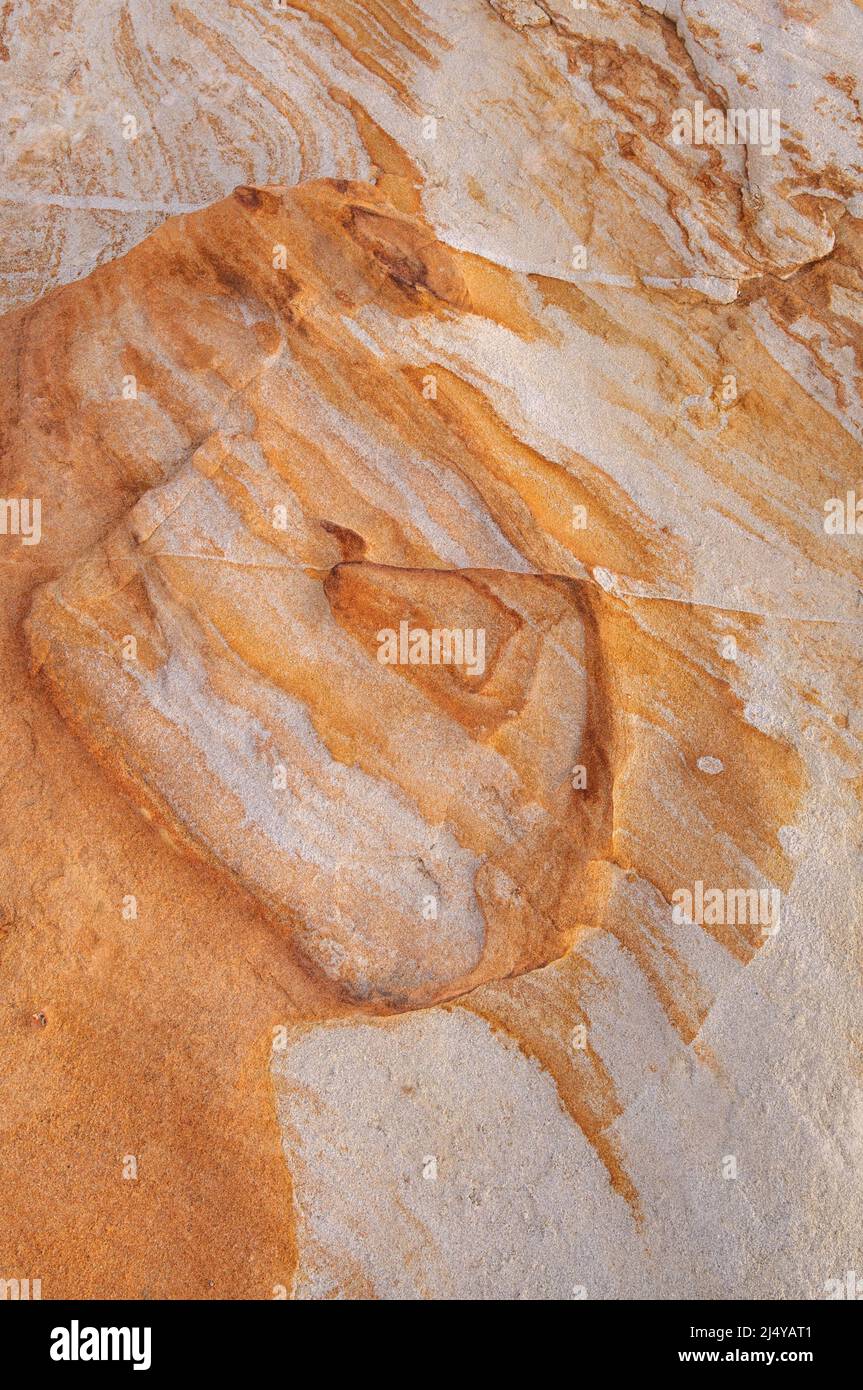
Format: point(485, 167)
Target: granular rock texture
point(432, 776)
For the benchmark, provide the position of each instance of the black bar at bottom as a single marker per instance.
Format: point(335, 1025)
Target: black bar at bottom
point(65, 1339)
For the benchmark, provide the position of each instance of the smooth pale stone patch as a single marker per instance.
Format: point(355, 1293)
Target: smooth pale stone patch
point(604, 579)
point(711, 765)
point(520, 1206)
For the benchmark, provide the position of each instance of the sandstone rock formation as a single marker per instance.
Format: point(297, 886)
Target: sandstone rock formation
point(380, 905)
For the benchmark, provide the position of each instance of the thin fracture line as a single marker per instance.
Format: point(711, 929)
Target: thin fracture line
point(97, 204)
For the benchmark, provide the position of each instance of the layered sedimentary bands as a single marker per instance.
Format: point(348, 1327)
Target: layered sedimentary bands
point(435, 555)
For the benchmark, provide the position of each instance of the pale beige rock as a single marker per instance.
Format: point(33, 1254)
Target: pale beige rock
point(478, 1185)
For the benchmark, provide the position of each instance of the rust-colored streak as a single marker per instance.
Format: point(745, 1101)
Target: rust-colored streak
point(541, 1013)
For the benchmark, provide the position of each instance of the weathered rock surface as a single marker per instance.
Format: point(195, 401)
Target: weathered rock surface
point(414, 827)
point(286, 422)
point(532, 129)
